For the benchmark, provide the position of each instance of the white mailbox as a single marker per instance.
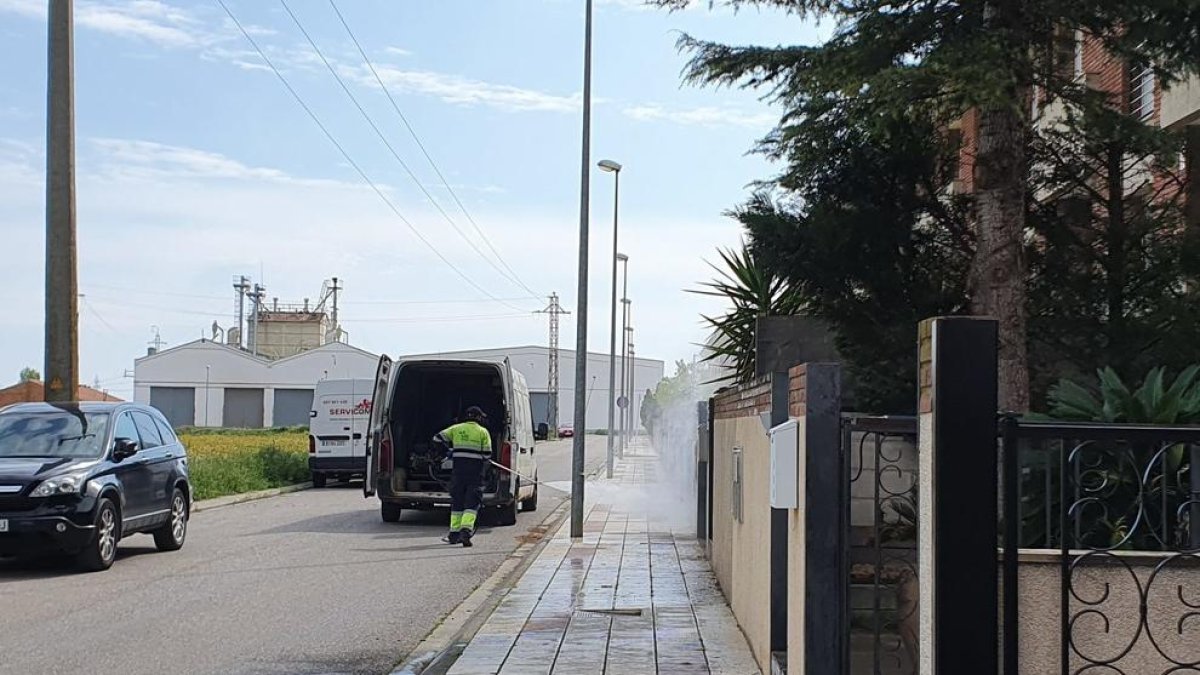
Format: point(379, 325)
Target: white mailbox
point(785, 466)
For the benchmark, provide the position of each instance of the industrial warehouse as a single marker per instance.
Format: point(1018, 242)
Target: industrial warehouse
point(267, 379)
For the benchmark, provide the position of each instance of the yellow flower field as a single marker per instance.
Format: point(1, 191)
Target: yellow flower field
point(225, 462)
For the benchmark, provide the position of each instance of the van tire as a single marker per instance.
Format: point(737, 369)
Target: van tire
point(319, 480)
point(530, 505)
point(390, 512)
point(507, 515)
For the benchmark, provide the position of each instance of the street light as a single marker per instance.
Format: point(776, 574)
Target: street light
point(578, 462)
point(624, 342)
point(207, 372)
point(614, 168)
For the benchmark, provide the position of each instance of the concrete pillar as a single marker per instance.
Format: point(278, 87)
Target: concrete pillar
point(816, 627)
point(958, 529)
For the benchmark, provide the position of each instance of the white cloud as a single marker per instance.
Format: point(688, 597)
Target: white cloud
point(398, 51)
point(707, 116)
point(464, 91)
point(126, 159)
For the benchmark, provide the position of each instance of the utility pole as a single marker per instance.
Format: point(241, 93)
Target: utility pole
point(578, 463)
point(256, 298)
point(555, 310)
point(336, 288)
point(241, 286)
point(62, 300)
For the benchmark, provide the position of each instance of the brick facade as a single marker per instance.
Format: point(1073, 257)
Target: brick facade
point(797, 390)
point(745, 400)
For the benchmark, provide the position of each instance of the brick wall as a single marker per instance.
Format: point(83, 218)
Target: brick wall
point(745, 400)
point(797, 390)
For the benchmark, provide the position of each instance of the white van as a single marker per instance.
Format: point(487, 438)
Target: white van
point(417, 398)
point(337, 430)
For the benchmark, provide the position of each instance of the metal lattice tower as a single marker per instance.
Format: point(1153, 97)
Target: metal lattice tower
point(555, 310)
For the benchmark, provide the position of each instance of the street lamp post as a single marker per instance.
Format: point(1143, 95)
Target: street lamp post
point(207, 373)
point(578, 463)
point(624, 342)
point(615, 169)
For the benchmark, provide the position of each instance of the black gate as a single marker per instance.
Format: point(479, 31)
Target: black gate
point(880, 614)
point(1117, 506)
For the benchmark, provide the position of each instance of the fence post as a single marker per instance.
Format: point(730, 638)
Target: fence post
point(818, 643)
point(703, 458)
point(780, 545)
point(958, 530)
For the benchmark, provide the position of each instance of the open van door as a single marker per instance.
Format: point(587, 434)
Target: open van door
point(377, 422)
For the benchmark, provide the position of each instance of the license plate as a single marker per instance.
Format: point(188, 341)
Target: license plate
point(3, 525)
point(334, 444)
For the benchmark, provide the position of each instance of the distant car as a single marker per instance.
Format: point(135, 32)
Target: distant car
point(337, 430)
point(79, 478)
point(541, 432)
point(566, 431)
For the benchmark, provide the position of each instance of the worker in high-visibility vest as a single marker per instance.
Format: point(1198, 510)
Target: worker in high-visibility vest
point(470, 447)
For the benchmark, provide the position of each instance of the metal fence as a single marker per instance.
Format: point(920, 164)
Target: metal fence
point(1118, 503)
point(880, 556)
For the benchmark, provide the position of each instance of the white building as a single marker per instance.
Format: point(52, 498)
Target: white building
point(206, 383)
point(534, 363)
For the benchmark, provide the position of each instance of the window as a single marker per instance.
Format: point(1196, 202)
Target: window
point(126, 429)
point(52, 434)
point(164, 430)
point(147, 430)
point(1078, 54)
point(1141, 92)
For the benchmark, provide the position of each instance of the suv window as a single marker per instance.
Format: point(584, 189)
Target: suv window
point(125, 428)
point(165, 430)
point(149, 432)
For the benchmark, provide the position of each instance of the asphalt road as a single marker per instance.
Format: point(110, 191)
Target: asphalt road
point(312, 582)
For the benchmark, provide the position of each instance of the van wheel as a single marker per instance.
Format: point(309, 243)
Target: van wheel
point(390, 512)
point(319, 480)
point(530, 505)
point(507, 515)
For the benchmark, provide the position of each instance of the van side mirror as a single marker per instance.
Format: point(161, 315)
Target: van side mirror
point(124, 448)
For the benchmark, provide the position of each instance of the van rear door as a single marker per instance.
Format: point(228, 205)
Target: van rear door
point(377, 424)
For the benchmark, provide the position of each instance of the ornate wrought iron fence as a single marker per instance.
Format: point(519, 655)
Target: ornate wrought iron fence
point(880, 603)
point(1119, 504)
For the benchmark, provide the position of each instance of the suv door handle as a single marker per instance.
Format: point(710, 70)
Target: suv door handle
point(524, 450)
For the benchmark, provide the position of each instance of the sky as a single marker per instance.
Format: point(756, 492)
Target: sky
point(195, 164)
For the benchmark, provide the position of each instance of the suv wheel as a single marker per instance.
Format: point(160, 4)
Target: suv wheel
point(390, 512)
point(170, 536)
point(102, 550)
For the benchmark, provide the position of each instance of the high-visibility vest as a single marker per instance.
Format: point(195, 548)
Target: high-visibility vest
point(467, 439)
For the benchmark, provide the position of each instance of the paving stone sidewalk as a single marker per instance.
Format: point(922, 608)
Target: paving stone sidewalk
point(631, 597)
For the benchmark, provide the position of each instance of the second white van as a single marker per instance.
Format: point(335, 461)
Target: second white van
point(337, 430)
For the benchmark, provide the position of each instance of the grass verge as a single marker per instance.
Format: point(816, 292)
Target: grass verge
point(247, 460)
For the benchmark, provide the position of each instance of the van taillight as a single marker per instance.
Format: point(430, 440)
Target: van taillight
point(506, 454)
point(312, 445)
point(385, 454)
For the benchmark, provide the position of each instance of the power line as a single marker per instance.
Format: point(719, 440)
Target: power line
point(441, 319)
point(382, 137)
point(472, 301)
point(350, 160)
point(412, 132)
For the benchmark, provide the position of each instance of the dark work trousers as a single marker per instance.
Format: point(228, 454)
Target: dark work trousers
point(466, 491)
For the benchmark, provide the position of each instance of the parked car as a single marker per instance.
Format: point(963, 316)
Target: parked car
point(415, 399)
point(566, 431)
point(79, 478)
point(337, 430)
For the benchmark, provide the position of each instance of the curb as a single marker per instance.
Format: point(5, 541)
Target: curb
point(442, 647)
point(230, 500)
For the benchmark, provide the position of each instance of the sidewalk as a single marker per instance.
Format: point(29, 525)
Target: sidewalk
point(630, 597)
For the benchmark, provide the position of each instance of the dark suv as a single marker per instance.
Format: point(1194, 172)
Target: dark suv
point(77, 478)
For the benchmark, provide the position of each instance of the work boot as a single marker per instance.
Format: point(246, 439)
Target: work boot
point(466, 540)
point(453, 538)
